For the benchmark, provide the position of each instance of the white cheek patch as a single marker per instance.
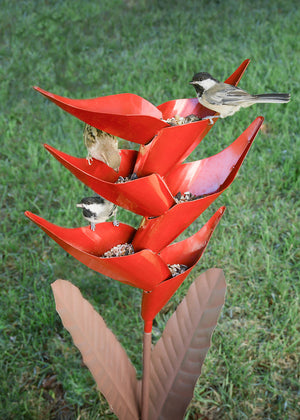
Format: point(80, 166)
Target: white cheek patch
point(207, 84)
point(95, 208)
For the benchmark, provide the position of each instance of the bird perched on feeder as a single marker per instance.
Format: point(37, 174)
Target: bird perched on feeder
point(102, 146)
point(97, 210)
point(227, 99)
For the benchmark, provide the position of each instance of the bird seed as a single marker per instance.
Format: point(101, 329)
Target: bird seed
point(121, 179)
point(177, 120)
point(119, 251)
point(187, 196)
point(177, 269)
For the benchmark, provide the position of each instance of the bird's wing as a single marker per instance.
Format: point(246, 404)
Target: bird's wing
point(227, 95)
point(112, 210)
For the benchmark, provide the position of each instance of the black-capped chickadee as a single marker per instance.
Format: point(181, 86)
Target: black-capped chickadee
point(102, 146)
point(97, 210)
point(227, 99)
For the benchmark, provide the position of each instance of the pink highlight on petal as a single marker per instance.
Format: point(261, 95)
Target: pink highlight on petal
point(209, 177)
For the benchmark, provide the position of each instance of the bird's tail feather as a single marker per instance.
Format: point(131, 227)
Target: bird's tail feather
point(272, 98)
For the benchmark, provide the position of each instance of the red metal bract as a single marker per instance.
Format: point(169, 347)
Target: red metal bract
point(212, 174)
point(182, 107)
point(169, 147)
point(156, 233)
point(237, 75)
point(187, 252)
point(161, 175)
point(209, 176)
point(97, 168)
point(125, 115)
point(148, 196)
point(130, 116)
point(144, 269)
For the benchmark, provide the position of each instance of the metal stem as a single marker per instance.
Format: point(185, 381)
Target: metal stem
point(146, 374)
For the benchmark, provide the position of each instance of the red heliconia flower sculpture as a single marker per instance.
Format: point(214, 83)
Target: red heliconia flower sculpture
point(155, 193)
point(161, 175)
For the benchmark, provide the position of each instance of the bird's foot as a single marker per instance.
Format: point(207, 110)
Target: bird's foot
point(115, 222)
point(93, 227)
point(89, 159)
point(211, 118)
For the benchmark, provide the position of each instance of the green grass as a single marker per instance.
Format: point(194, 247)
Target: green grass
point(86, 49)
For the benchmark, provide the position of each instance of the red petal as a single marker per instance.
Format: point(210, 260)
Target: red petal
point(212, 174)
point(125, 115)
point(187, 252)
point(148, 196)
point(208, 176)
point(171, 146)
point(130, 116)
point(143, 269)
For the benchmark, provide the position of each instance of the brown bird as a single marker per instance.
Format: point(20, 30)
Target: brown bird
point(102, 146)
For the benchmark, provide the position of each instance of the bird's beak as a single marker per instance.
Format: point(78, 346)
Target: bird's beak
point(80, 205)
point(192, 83)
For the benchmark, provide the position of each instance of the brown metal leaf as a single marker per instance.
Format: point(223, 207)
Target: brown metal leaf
point(178, 356)
point(102, 353)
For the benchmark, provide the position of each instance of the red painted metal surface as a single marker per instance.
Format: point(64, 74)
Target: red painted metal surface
point(148, 196)
point(130, 116)
point(161, 176)
point(125, 115)
point(187, 252)
point(236, 76)
point(97, 168)
point(209, 177)
point(170, 146)
point(144, 269)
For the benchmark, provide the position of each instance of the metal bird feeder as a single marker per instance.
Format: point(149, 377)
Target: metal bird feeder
point(161, 176)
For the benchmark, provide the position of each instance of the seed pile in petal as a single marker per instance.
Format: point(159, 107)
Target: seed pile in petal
point(119, 251)
point(121, 179)
point(177, 269)
point(186, 196)
point(177, 120)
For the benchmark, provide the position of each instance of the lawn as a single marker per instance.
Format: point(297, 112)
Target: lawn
point(85, 49)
